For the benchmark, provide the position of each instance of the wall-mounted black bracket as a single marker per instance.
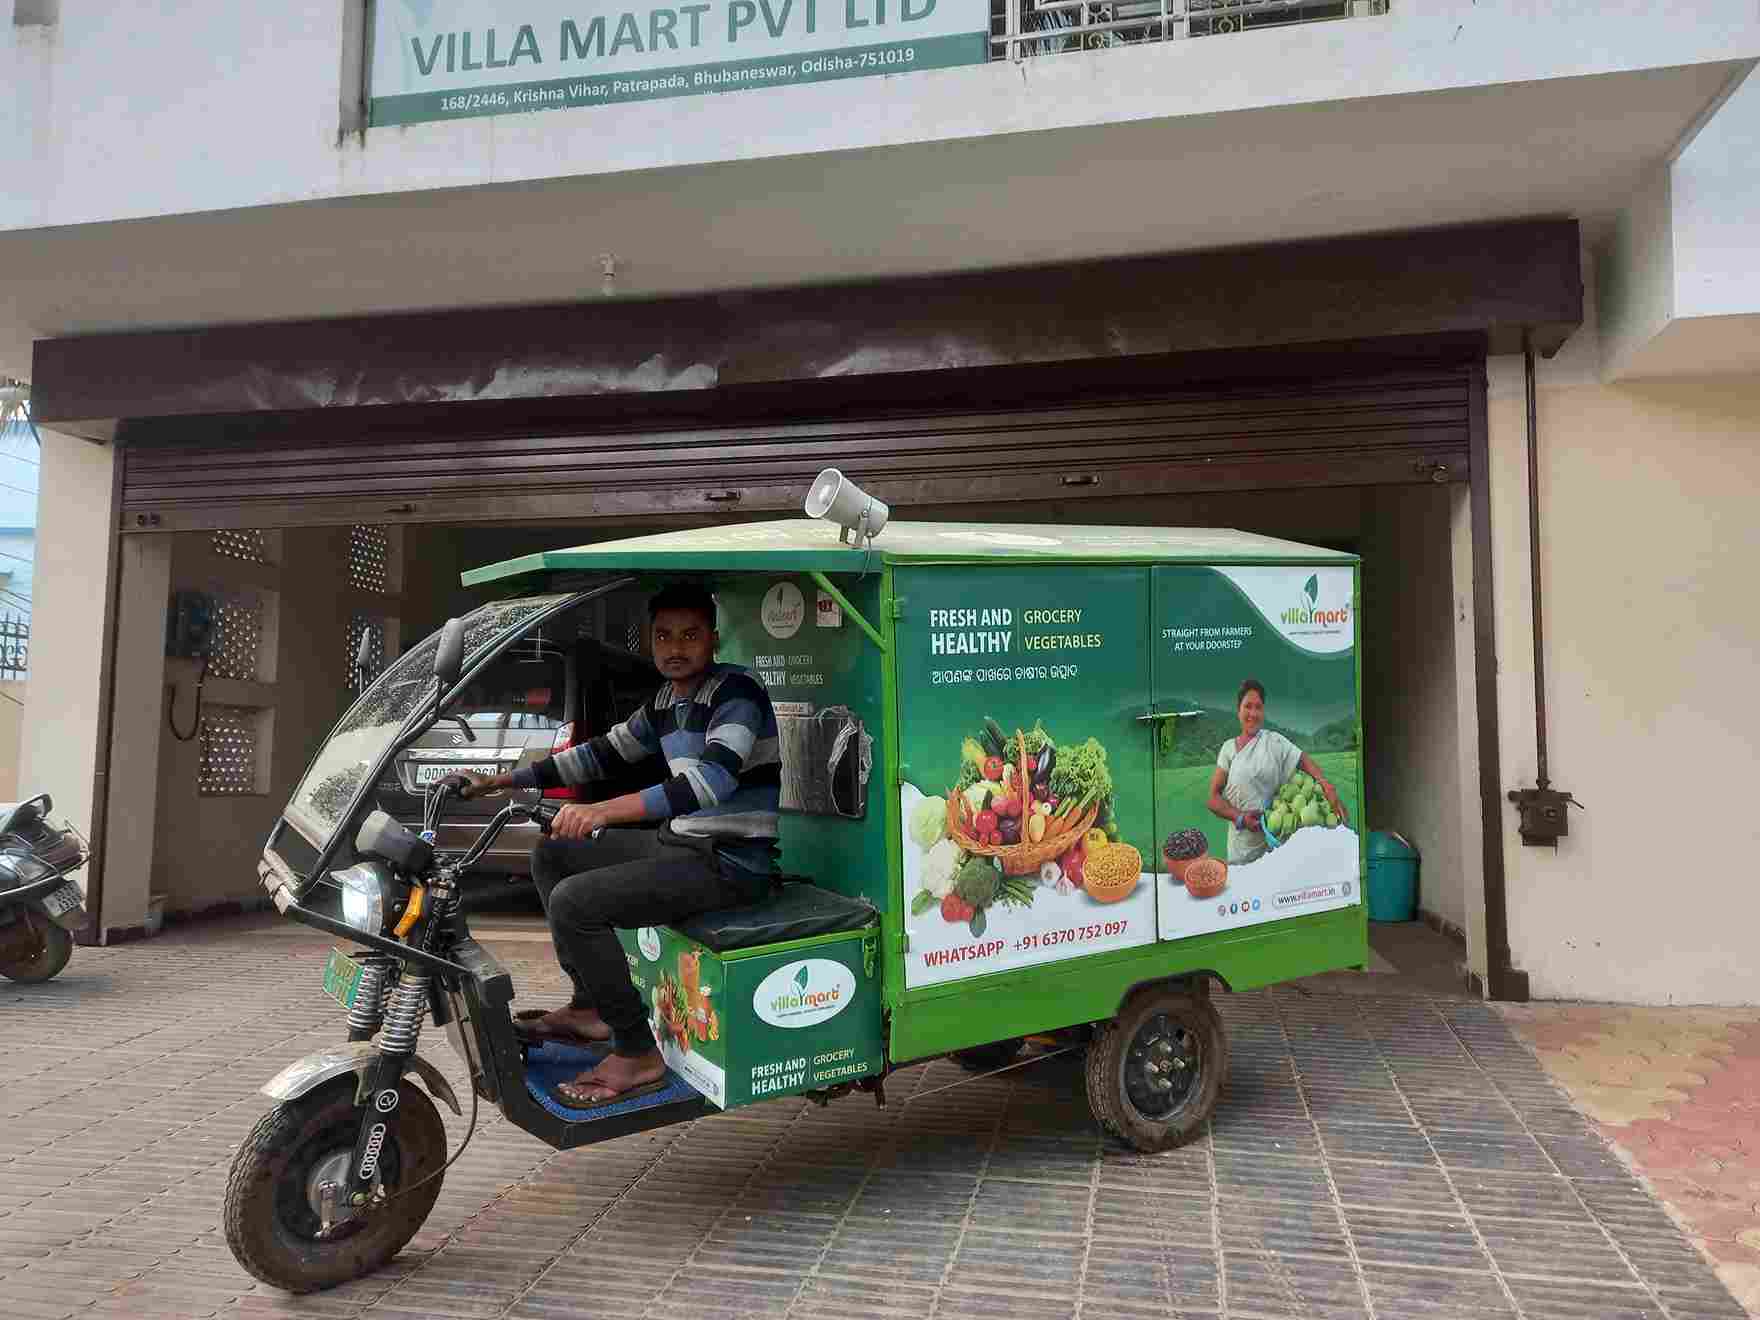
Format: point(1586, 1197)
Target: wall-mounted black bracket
point(1544, 815)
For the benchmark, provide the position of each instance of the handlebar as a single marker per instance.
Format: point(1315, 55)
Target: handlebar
point(543, 815)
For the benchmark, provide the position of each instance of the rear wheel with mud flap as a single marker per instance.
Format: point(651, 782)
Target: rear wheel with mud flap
point(1155, 1072)
point(40, 952)
point(274, 1207)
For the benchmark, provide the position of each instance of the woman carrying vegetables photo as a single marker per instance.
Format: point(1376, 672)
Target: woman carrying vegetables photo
point(1249, 771)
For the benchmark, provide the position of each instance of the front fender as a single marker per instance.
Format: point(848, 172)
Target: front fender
point(356, 1057)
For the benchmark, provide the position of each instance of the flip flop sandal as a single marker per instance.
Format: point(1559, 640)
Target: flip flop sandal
point(527, 1032)
point(561, 1091)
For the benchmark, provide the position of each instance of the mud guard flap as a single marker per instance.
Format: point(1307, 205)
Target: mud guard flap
point(314, 1070)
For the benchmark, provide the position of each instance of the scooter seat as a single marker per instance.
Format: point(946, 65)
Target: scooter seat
point(795, 910)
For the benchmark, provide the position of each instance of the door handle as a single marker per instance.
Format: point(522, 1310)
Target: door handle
point(1155, 716)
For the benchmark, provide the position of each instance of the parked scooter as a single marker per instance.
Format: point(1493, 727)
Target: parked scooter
point(40, 906)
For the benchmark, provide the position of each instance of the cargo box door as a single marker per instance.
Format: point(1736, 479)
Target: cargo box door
point(1044, 862)
point(1292, 630)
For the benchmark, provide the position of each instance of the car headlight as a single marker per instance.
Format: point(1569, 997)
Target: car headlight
point(366, 895)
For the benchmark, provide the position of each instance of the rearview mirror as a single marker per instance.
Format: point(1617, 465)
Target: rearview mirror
point(449, 659)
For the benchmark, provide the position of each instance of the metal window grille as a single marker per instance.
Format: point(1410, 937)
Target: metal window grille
point(369, 559)
point(15, 647)
point(238, 636)
point(1020, 29)
point(229, 752)
point(373, 628)
point(245, 543)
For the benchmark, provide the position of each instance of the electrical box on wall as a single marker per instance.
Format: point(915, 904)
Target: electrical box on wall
point(189, 627)
point(1544, 815)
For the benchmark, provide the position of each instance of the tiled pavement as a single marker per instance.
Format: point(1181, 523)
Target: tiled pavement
point(1677, 1090)
point(1374, 1156)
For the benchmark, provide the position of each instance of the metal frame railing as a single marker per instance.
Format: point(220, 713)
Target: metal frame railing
point(1022, 29)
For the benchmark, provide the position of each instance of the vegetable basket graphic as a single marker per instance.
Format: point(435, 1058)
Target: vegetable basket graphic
point(1061, 833)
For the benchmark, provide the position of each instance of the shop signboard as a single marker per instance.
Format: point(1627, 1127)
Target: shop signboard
point(464, 59)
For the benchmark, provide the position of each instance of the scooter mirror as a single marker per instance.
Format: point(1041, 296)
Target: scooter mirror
point(449, 658)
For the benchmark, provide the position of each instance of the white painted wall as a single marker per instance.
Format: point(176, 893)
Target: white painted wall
point(58, 744)
point(1410, 697)
point(1648, 538)
point(136, 110)
point(1679, 283)
point(1715, 189)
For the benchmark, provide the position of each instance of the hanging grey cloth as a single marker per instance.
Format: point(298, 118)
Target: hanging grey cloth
point(827, 759)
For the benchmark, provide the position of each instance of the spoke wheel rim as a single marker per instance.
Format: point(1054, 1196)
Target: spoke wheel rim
point(1162, 1067)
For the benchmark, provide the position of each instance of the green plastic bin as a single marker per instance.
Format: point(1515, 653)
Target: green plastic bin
point(1393, 878)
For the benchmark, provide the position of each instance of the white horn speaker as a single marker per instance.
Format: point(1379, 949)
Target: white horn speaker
point(835, 498)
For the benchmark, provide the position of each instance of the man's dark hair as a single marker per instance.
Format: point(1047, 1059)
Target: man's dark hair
point(1251, 685)
point(682, 596)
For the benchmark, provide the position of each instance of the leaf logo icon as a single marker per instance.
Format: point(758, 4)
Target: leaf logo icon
point(800, 978)
point(1312, 589)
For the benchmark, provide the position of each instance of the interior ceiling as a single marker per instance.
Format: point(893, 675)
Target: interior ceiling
point(1575, 147)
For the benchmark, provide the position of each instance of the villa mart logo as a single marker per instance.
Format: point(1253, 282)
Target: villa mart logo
point(1308, 613)
point(804, 994)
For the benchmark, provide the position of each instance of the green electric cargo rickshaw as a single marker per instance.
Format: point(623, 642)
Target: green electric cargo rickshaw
point(999, 746)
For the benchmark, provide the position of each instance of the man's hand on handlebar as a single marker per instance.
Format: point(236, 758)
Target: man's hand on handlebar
point(579, 820)
point(466, 785)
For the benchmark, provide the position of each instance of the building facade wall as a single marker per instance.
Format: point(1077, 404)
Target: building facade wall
point(1647, 538)
point(260, 90)
point(58, 742)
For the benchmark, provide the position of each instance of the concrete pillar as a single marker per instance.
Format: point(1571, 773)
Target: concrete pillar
point(58, 746)
point(1465, 806)
point(138, 724)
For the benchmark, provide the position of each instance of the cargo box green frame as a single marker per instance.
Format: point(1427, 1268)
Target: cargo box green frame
point(938, 1019)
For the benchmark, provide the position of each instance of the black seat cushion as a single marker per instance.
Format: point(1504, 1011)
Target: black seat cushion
point(794, 911)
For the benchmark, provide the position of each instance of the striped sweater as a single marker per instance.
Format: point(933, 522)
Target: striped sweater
point(721, 747)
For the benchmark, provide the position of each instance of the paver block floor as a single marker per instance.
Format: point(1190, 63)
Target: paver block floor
point(1374, 1156)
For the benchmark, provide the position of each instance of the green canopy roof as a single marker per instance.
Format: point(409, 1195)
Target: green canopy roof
point(804, 545)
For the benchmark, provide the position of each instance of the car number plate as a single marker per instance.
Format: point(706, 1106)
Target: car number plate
point(63, 900)
point(342, 977)
point(433, 772)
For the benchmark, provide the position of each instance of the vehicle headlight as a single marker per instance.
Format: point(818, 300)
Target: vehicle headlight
point(366, 889)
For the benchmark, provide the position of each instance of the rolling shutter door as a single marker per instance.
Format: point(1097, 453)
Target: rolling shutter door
point(1375, 430)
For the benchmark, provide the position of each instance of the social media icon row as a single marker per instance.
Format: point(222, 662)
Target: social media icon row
point(1235, 909)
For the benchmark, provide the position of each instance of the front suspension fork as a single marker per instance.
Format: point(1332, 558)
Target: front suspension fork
point(405, 1008)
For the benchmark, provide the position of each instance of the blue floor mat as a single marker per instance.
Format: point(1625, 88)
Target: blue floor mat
point(550, 1063)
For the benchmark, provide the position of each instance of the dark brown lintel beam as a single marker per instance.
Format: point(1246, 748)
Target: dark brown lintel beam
point(1492, 280)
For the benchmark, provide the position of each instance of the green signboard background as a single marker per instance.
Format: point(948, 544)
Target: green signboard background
point(465, 59)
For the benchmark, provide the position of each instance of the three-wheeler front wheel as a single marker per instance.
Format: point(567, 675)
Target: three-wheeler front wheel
point(1155, 1071)
point(274, 1207)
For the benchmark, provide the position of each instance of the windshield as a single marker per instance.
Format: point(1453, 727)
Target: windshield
point(372, 725)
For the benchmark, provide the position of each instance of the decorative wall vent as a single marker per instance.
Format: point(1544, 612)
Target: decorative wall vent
point(369, 559)
point(229, 752)
point(238, 637)
point(373, 628)
point(244, 543)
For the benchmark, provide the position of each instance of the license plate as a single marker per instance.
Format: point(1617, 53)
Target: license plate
point(63, 900)
point(342, 977)
point(433, 773)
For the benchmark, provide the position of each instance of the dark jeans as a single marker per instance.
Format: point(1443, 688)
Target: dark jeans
point(625, 879)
